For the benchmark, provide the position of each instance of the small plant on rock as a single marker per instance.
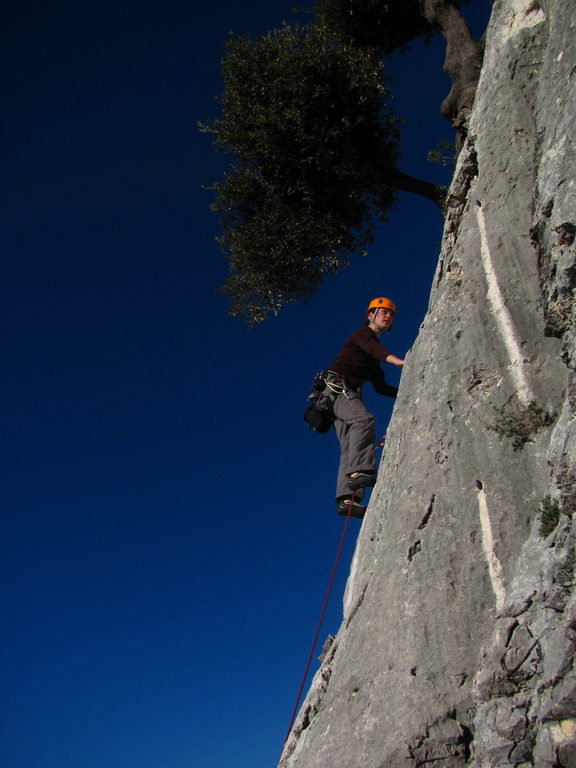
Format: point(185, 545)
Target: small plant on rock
point(549, 516)
point(444, 154)
point(521, 425)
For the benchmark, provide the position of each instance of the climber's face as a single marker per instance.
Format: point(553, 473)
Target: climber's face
point(383, 318)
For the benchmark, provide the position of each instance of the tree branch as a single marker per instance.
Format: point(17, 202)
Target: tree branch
point(403, 182)
point(463, 60)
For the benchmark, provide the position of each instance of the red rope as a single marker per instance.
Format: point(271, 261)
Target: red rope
point(321, 619)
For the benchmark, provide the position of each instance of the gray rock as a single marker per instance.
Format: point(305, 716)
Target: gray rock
point(457, 644)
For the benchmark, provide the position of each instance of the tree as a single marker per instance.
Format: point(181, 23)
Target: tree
point(307, 120)
point(389, 26)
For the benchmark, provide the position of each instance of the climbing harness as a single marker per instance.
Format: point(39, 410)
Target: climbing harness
point(337, 384)
point(320, 620)
point(327, 385)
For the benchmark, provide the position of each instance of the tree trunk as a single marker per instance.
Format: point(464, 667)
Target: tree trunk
point(462, 64)
point(406, 183)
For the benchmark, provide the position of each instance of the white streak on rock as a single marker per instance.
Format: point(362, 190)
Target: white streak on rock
point(503, 319)
point(494, 565)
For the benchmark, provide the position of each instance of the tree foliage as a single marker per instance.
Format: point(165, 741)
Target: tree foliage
point(384, 26)
point(307, 122)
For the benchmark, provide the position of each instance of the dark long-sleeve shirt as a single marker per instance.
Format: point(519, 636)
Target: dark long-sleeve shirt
point(359, 361)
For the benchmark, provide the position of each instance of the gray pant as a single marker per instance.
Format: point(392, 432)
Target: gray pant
point(355, 427)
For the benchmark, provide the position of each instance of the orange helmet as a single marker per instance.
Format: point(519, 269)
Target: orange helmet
point(381, 302)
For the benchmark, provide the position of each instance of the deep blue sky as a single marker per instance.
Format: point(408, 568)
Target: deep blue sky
point(168, 523)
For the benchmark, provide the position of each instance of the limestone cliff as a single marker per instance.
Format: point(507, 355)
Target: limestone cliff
point(457, 645)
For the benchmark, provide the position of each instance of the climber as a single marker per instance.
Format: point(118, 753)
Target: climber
point(359, 361)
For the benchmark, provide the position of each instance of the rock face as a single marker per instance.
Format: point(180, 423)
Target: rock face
point(457, 645)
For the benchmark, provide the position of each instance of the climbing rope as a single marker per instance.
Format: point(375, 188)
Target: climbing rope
point(321, 619)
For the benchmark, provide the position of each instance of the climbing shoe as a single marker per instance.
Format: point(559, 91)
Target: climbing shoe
point(343, 508)
point(362, 480)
